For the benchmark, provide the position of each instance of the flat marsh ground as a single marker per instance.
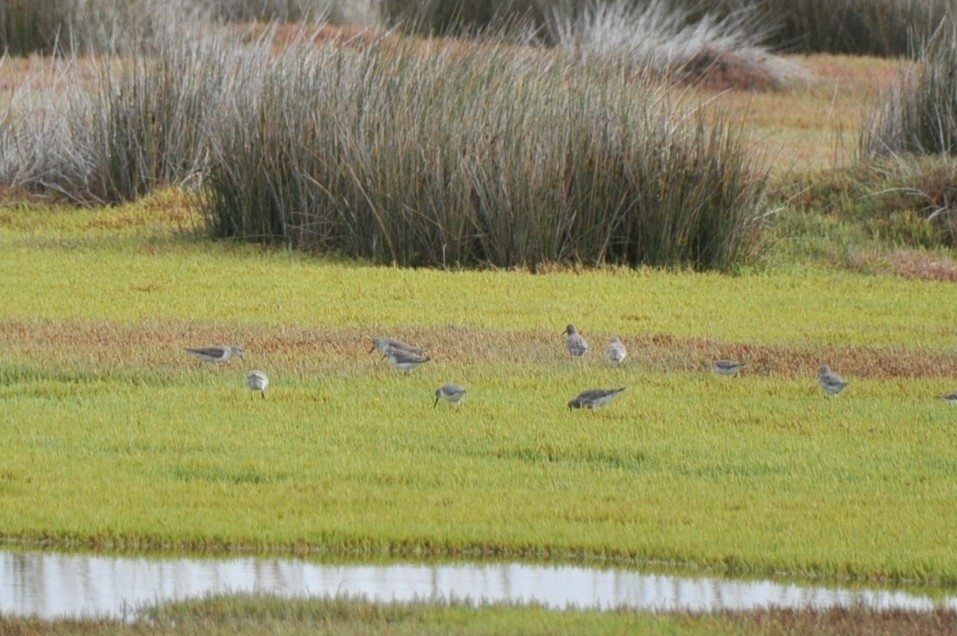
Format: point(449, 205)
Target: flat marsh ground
point(115, 437)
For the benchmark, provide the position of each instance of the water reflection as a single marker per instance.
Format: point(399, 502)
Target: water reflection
point(51, 585)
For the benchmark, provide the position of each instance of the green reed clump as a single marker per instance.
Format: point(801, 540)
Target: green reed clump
point(27, 26)
point(136, 124)
point(665, 37)
point(152, 117)
point(473, 155)
point(98, 26)
point(856, 27)
point(859, 27)
point(919, 114)
point(87, 26)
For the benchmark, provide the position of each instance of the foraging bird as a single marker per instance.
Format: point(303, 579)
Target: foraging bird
point(950, 398)
point(382, 345)
point(616, 352)
point(574, 341)
point(594, 398)
point(451, 393)
point(404, 360)
point(831, 382)
point(217, 354)
point(257, 381)
point(727, 367)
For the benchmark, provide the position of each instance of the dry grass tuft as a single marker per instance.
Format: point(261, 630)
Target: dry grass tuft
point(925, 266)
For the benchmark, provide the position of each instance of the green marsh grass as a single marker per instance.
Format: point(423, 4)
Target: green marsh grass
point(759, 475)
point(263, 614)
point(144, 263)
point(116, 437)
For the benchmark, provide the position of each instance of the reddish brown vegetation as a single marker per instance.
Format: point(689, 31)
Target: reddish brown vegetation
point(924, 266)
point(845, 622)
point(305, 349)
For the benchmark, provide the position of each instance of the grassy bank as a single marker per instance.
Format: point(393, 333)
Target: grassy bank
point(267, 615)
point(114, 436)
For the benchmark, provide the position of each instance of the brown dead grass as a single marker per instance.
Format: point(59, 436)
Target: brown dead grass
point(845, 622)
point(814, 122)
point(714, 70)
point(102, 347)
point(924, 266)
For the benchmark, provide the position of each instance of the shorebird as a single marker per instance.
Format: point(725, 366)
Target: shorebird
point(950, 398)
point(616, 352)
point(594, 398)
point(831, 382)
point(257, 381)
point(727, 367)
point(382, 345)
point(217, 354)
point(451, 393)
point(404, 360)
point(574, 341)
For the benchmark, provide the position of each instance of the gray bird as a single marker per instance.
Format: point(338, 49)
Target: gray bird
point(404, 360)
point(831, 382)
point(384, 344)
point(727, 367)
point(616, 352)
point(217, 354)
point(257, 381)
point(574, 341)
point(594, 398)
point(451, 393)
point(950, 398)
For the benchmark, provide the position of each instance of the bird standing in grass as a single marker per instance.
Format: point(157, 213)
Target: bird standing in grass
point(217, 354)
point(727, 367)
point(574, 341)
point(616, 352)
point(831, 382)
point(451, 393)
point(382, 345)
point(404, 360)
point(594, 398)
point(950, 398)
point(257, 381)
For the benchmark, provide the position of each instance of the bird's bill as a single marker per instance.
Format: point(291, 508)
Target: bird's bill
point(434, 404)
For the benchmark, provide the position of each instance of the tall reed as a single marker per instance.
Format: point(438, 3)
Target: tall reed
point(918, 118)
point(861, 27)
point(123, 26)
point(112, 129)
point(919, 113)
point(422, 154)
